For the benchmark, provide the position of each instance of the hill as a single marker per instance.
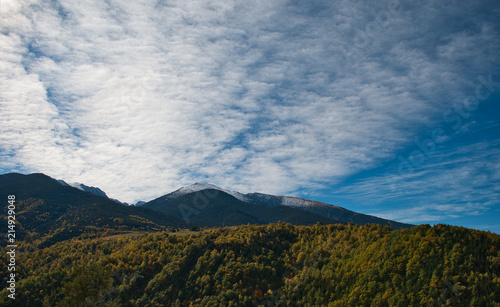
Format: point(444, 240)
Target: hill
point(270, 265)
point(51, 212)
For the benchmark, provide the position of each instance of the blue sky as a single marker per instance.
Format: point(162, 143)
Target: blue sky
point(388, 108)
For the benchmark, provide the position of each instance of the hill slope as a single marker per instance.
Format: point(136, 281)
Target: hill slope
point(45, 207)
point(271, 265)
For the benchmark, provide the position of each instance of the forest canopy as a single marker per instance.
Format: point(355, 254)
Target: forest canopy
point(271, 265)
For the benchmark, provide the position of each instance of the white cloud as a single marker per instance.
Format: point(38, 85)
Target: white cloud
point(142, 97)
point(451, 183)
point(433, 213)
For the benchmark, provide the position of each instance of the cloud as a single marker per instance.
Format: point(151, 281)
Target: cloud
point(434, 213)
point(142, 97)
point(453, 182)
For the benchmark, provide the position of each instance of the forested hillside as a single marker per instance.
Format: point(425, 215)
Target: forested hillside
point(48, 212)
point(272, 265)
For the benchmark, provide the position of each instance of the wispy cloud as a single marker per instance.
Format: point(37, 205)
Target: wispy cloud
point(142, 97)
point(454, 182)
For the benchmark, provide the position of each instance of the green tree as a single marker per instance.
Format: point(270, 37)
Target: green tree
point(91, 286)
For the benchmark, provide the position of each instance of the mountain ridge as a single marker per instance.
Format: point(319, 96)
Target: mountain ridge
point(96, 191)
point(204, 204)
point(57, 212)
point(210, 208)
point(324, 209)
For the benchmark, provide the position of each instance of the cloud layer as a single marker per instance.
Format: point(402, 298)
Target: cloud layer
point(451, 183)
point(140, 98)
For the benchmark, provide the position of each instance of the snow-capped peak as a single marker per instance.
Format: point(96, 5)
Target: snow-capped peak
point(196, 187)
point(77, 185)
point(82, 187)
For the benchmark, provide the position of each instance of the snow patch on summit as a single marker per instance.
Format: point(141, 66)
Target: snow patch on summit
point(82, 187)
point(272, 200)
point(290, 201)
point(197, 187)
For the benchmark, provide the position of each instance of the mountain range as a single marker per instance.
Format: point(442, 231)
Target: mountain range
point(208, 205)
point(235, 208)
point(76, 247)
point(95, 191)
point(46, 205)
point(48, 209)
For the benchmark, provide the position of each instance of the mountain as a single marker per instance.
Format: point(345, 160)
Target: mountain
point(208, 205)
point(323, 209)
point(67, 255)
point(213, 207)
point(82, 187)
point(57, 210)
point(93, 190)
point(46, 208)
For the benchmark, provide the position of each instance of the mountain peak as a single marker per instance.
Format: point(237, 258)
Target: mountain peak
point(82, 187)
point(202, 186)
point(198, 186)
point(259, 201)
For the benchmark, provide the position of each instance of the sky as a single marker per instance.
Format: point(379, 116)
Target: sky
point(387, 107)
